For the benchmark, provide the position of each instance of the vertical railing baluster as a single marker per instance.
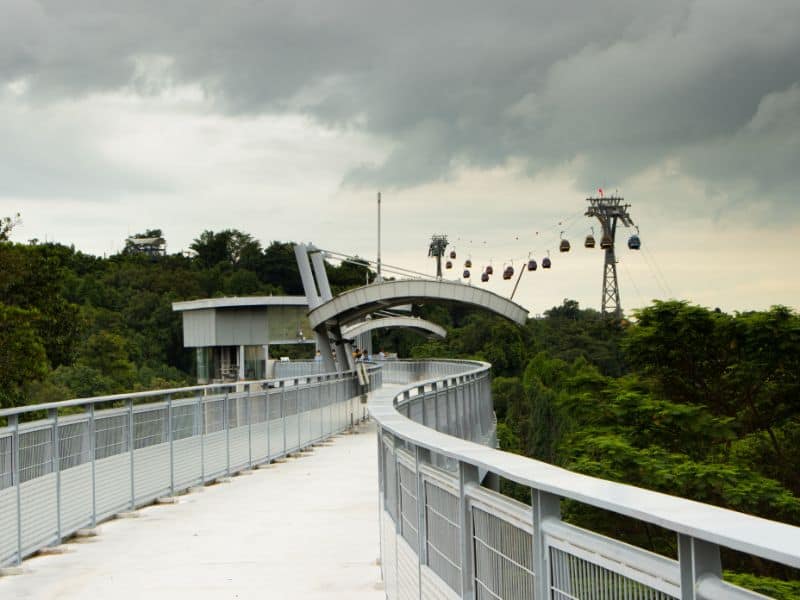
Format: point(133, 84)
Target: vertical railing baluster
point(283, 413)
point(170, 437)
point(249, 401)
point(13, 421)
point(92, 426)
point(55, 461)
point(697, 559)
point(202, 422)
point(226, 422)
point(544, 506)
point(467, 475)
point(132, 444)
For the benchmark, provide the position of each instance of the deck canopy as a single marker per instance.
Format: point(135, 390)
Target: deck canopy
point(394, 323)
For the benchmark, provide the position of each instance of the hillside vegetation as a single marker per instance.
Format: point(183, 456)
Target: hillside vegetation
point(681, 399)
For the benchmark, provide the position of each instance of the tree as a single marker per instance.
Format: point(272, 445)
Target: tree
point(22, 354)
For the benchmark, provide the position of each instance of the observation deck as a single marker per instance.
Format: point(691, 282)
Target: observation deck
point(311, 524)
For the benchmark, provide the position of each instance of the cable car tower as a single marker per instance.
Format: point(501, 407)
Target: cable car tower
point(609, 211)
point(436, 249)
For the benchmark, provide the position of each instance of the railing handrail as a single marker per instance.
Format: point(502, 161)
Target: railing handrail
point(18, 410)
point(739, 531)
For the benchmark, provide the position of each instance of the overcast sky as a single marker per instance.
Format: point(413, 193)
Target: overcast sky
point(488, 121)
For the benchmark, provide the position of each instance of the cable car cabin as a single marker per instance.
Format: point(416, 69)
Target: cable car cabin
point(453, 254)
point(466, 273)
point(490, 270)
point(485, 277)
point(508, 273)
point(448, 265)
point(589, 243)
point(564, 246)
point(531, 265)
point(606, 242)
point(468, 264)
point(546, 262)
point(634, 243)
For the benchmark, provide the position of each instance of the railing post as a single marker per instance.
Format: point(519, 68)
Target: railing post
point(297, 413)
point(545, 506)
point(435, 390)
point(269, 422)
point(226, 424)
point(132, 442)
point(13, 421)
point(202, 422)
point(697, 559)
point(249, 428)
point(467, 475)
point(92, 427)
point(421, 455)
point(170, 437)
point(55, 461)
point(319, 405)
point(283, 413)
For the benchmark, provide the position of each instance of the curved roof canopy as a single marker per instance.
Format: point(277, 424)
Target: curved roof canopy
point(394, 322)
point(355, 304)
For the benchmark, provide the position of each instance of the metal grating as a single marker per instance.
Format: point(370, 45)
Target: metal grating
point(444, 532)
point(149, 428)
point(503, 558)
point(73, 445)
point(35, 453)
point(6, 475)
point(408, 506)
point(574, 578)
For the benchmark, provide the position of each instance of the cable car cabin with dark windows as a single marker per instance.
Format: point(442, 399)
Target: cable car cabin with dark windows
point(453, 254)
point(448, 265)
point(468, 264)
point(634, 243)
point(466, 273)
point(485, 277)
point(564, 246)
point(606, 242)
point(531, 265)
point(546, 263)
point(489, 270)
point(589, 243)
point(508, 273)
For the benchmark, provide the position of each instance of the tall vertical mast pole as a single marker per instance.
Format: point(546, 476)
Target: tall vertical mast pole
point(379, 277)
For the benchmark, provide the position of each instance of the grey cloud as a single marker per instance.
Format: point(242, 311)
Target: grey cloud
point(621, 84)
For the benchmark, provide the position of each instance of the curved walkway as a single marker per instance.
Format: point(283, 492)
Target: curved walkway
point(306, 528)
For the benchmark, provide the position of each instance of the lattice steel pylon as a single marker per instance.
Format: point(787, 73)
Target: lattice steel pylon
point(436, 249)
point(609, 211)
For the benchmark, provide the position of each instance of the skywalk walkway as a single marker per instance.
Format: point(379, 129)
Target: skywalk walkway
point(303, 528)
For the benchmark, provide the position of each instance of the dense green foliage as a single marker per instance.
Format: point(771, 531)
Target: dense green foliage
point(74, 325)
point(684, 400)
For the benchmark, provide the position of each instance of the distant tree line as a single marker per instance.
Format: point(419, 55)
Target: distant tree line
point(75, 325)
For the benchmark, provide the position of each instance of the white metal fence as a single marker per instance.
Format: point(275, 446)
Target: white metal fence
point(446, 531)
point(68, 465)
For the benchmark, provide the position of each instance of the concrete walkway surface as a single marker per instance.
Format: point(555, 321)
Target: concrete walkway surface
point(304, 528)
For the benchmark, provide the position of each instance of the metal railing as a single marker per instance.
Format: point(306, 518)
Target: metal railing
point(447, 532)
point(67, 466)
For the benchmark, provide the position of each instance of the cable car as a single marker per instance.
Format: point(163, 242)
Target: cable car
point(606, 242)
point(448, 265)
point(466, 273)
point(489, 270)
point(508, 272)
point(485, 277)
point(468, 264)
point(546, 262)
point(634, 243)
point(453, 254)
point(531, 265)
point(589, 243)
point(564, 246)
